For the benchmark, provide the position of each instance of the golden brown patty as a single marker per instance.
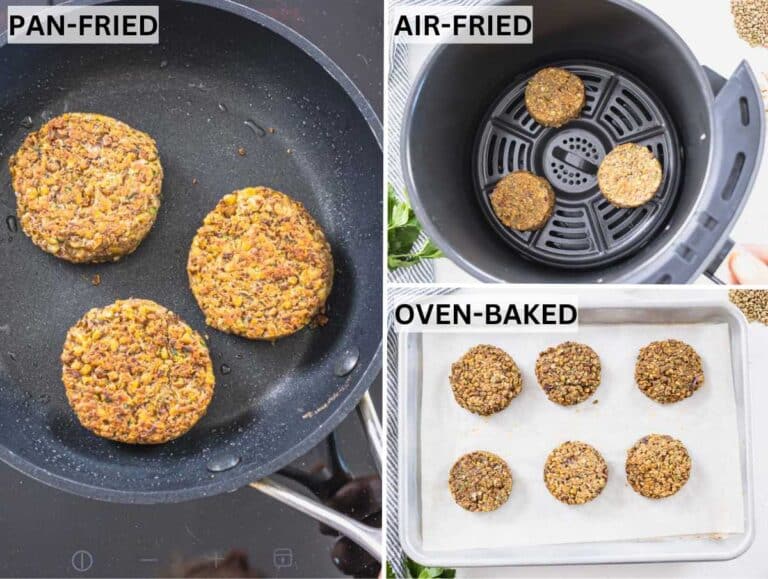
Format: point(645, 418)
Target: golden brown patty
point(480, 481)
point(668, 371)
point(568, 373)
point(554, 96)
point(629, 176)
point(260, 266)
point(485, 380)
point(575, 473)
point(523, 201)
point(135, 372)
point(658, 466)
point(87, 187)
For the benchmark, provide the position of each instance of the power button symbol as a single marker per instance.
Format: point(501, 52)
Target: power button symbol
point(82, 561)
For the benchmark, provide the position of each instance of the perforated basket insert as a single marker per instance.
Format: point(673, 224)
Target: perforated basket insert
point(585, 229)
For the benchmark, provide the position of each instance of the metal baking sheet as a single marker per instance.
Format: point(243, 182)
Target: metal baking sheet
point(714, 545)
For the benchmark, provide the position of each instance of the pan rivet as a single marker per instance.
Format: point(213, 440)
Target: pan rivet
point(223, 463)
point(347, 362)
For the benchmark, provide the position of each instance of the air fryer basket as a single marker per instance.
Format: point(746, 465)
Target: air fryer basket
point(467, 126)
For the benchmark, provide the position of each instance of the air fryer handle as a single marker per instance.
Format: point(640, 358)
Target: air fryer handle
point(738, 142)
point(739, 114)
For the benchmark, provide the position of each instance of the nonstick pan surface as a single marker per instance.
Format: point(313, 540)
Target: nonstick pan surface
point(222, 76)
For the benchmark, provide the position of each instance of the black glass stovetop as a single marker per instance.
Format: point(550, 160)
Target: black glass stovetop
point(46, 532)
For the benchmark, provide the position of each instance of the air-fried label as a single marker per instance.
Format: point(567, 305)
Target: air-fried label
point(463, 24)
point(83, 25)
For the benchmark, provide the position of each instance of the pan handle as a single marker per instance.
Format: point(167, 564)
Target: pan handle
point(372, 425)
point(369, 538)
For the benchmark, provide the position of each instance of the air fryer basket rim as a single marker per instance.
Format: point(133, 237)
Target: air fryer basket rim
point(636, 276)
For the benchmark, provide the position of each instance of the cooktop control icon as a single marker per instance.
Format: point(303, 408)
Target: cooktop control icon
point(282, 558)
point(82, 561)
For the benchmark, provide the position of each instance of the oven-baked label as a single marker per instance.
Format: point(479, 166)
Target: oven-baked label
point(488, 312)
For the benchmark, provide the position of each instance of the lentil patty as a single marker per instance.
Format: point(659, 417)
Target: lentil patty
point(135, 372)
point(575, 473)
point(480, 481)
point(658, 466)
point(87, 187)
point(554, 96)
point(668, 371)
point(260, 266)
point(485, 380)
point(629, 176)
point(568, 373)
point(523, 201)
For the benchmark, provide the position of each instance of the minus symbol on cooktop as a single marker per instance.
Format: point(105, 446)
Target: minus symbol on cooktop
point(148, 560)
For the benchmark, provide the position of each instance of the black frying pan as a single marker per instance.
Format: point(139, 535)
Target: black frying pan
point(221, 77)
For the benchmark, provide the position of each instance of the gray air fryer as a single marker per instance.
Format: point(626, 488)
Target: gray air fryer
point(466, 126)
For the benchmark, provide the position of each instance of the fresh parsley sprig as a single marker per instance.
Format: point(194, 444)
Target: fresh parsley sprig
point(415, 571)
point(402, 231)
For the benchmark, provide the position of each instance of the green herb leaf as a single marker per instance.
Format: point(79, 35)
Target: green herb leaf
point(390, 572)
point(402, 231)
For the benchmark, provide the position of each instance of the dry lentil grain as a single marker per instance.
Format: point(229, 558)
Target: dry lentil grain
point(750, 18)
point(752, 303)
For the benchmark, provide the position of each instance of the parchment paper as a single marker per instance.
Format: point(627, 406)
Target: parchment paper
point(525, 433)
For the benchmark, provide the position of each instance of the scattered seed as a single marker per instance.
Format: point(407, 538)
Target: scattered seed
point(96, 279)
point(752, 303)
point(751, 21)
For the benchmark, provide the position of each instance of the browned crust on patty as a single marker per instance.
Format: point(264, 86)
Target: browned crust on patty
point(485, 380)
point(134, 372)
point(260, 266)
point(568, 373)
point(554, 96)
point(523, 201)
point(575, 473)
point(629, 176)
point(88, 187)
point(658, 466)
point(668, 371)
point(480, 481)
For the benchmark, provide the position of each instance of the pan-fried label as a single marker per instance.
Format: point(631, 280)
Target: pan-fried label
point(463, 24)
point(83, 25)
point(484, 312)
